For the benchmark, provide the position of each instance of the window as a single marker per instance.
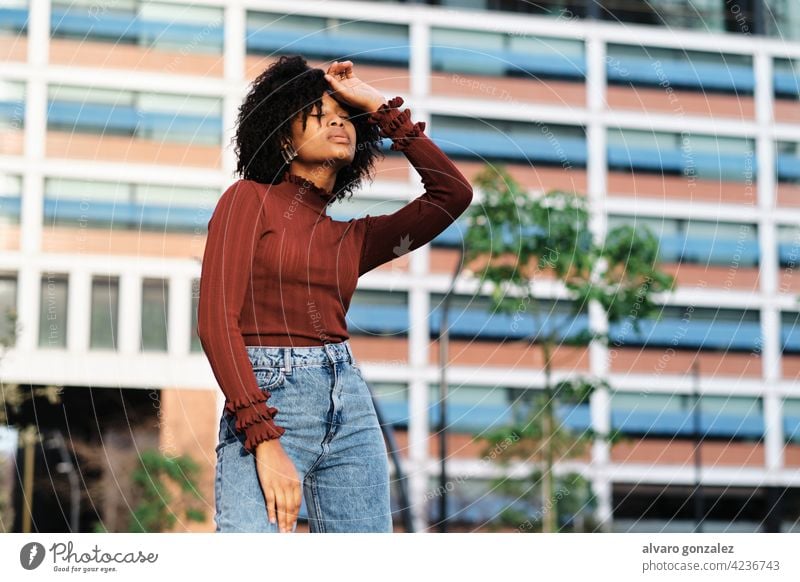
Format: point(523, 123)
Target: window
point(790, 332)
point(693, 327)
point(53, 312)
point(788, 245)
point(699, 241)
point(195, 345)
point(8, 309)
point(680, 69)
point(513, 141)
point(105, 313)
point(122, 205)
point(155, 295)
point(327, 38)
point(787, 160)
point(142, 115)
point(12, 106)
point(659, 415)
point(791, 420)
point(173, 27)
point(10, 198)
point(703, 156)
point(503, 54)
point(378, 313)
point(13, 17)
point(473, 318)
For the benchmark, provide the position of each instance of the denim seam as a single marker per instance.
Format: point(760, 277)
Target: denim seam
point(315, 496)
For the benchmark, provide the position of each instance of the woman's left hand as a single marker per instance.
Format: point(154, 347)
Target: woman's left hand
point(352, 90)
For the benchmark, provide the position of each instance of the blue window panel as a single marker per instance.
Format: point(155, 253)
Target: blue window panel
point(791, 428)
point(121, 26)
point(471, 417)
point(501, 62)
point(476, 143)
point(10, 206)
point(394, 412)
point(693, 333)
point(677, 161)
point(786, 84)
point(699, 76)
point(453, 235)
point(104, 117)
point(151, 216)
point(712, 424)
point(678, 247)
point(790, 338)
point(10, 109)
point(378, 319)
point(14, 19)
point(274, 40)
point(788, 254)
point(788, 168)
point(575, 417)
point(478, 323)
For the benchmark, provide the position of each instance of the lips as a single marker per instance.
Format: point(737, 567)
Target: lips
point(339, 138)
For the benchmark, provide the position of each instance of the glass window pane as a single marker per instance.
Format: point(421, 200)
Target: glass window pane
point(195, 345)
point(105, 309)
point(53, 312)
point(155, 294)
point(8, 309)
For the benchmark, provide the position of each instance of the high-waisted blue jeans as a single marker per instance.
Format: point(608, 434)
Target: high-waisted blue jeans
point(332, 436)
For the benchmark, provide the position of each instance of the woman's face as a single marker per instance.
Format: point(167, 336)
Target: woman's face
point(329, 135)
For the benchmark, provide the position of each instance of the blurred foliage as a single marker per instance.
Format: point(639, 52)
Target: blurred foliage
point(512, 238)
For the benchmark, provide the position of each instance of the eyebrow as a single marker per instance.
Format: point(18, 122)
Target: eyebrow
point(339, 109)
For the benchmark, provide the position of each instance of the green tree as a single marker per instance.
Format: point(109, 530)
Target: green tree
point(158, 509)
point(512, 238)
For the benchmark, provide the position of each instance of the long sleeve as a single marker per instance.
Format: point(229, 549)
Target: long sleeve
point(447, 192)
point(233, 233)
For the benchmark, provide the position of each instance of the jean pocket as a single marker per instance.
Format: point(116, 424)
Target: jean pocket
point(269, 377)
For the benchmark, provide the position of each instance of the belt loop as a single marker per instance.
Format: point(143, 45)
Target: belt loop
point(287, 360)
point(350, 352)
point(329, 351)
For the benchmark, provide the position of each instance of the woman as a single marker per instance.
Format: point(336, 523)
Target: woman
point(277, 278)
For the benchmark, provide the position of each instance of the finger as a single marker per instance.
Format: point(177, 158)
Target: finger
point(298, 500)
point(270, 495)
point(280, 497)
point(336, 84)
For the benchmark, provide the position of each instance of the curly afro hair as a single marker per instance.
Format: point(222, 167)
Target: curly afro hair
point(289, 87)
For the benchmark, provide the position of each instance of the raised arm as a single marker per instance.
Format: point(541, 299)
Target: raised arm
point(447, 192)
point(233, 233)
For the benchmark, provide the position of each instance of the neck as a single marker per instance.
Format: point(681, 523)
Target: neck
point(320, 176)
point(306, 190)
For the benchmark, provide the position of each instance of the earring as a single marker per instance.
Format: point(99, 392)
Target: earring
point(288, 152)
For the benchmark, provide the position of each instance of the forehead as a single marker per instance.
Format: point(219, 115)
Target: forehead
point(331, 103)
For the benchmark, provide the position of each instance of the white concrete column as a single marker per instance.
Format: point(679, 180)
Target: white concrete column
point(418, 429)
point(130, 313)
point(179, 314)
point(597, 171)
point(768, 264)
point(79, 310)
point(234, 57)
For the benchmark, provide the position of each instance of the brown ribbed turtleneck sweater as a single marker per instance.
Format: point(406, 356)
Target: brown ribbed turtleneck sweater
point(278, 271)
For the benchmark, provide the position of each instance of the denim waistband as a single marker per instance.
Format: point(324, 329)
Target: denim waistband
point(288, 357)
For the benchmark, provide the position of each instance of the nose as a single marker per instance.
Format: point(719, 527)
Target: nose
point(339, 121)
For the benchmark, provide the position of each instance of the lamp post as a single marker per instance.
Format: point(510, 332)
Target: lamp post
point(444, 335)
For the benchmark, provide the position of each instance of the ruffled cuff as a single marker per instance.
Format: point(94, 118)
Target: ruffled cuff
point(396, 124)
point(256, 419)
